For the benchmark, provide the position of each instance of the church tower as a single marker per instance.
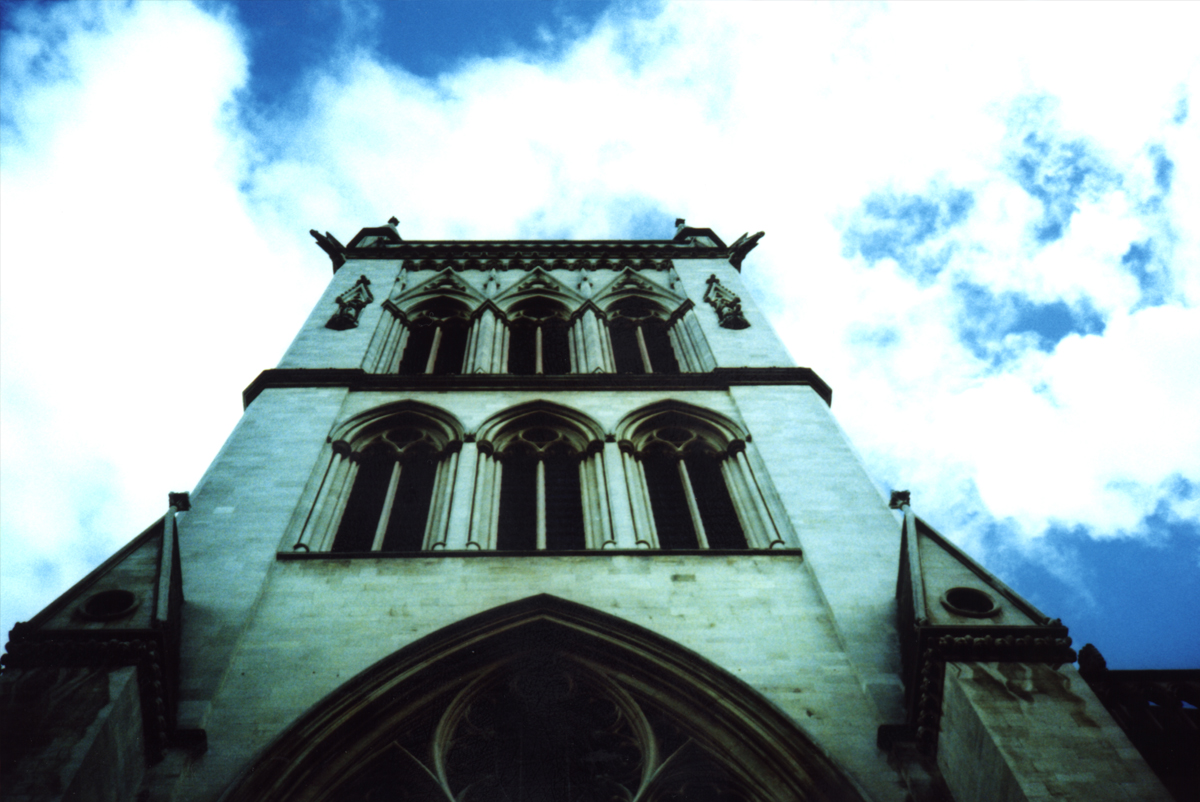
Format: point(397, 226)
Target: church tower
point(546, 521)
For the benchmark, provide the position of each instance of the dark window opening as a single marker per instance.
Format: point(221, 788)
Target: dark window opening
point(672, 518)
point(721, 525)
point(416, 351)
point(410, 510)
point(564, 504)
point(658, 347)
point(522, 350)
point(518, 505)
point(556, 349)
point(451, 349)
point(626, 351)
point(356, 532)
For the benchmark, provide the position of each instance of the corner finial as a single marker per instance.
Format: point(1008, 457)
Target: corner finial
point(393, 222)
point(900, 499)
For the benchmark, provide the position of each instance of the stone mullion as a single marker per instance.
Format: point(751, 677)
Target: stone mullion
point(541, 504)
point(773, 531)
point(461, 499)
point(334, 503)
point(588, 498)
point(389, 499)
point(493, 520)
point(645, 534)
point(431, 363)
point(642, 349)
point(443, 488)
point(622, 534)
point(689, 493)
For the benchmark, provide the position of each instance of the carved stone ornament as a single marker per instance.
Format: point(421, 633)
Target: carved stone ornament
point(728, 305)
point(350, 305)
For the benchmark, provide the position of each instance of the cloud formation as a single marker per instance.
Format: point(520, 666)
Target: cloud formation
point(980, 230)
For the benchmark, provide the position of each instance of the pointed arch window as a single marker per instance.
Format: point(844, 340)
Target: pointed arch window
point(697, 486)
point(538, 338)
point(641, 339)
point(388, 507)
point(437, 339)
point(384, 489)
point(541, 501)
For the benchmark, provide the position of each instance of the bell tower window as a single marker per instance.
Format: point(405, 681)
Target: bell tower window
point(437, 340)
point(541, 504)
point(538, 339)
point(640, 339)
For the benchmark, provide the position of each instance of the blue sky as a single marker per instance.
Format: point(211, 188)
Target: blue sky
point(980, 230)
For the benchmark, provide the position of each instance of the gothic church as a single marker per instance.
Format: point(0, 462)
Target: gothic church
point(546, 521)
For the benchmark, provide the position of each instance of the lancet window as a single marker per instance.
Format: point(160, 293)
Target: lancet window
point(696, 487)
point(641, 341)
point(539, 326)
point(385, 489)
point(541, 503)
point(543, 477)
point(436, 339)
point(538, 338)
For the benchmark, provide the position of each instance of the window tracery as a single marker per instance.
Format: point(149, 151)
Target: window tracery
point(436, 339)
point(385, 487)
point(538, 326)
point(544, 728)
point(538, 338)
point(693, 486)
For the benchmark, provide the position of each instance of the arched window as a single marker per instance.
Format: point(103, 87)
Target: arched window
point(385, 486)
point(692, 484)
point(688, 496)
point(541, 503)
point(437, 338)
point(641, 340)
point(538, 338)
point(388, 507)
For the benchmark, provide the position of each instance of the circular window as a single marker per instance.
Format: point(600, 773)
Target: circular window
point(108, 605)
point(970, 602)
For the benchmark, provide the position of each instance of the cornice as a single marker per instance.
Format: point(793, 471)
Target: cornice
point(356, 379)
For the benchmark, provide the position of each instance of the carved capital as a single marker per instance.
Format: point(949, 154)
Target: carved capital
point(900, 498)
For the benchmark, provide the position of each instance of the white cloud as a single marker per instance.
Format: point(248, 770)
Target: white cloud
point(155, 257)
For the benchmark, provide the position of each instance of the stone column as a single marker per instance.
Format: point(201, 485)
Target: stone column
point(443, 492)
point(645, 535)
point(622, 535)
point(331, 501)
point(458, 526)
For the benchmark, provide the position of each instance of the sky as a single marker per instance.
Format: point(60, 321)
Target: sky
point(981, 231)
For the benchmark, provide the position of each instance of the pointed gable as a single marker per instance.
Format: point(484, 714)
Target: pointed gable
point(443, 284)
point(631, 283)
point(539, 282)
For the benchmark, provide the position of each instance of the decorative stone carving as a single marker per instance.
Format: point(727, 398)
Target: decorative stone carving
point(728, 305)
point(350, 305)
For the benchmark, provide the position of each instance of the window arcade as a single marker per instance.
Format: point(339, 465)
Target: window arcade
point(539, 327)
point(542, 477)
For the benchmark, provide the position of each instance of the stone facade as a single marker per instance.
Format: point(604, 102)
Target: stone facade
point(794, 635)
